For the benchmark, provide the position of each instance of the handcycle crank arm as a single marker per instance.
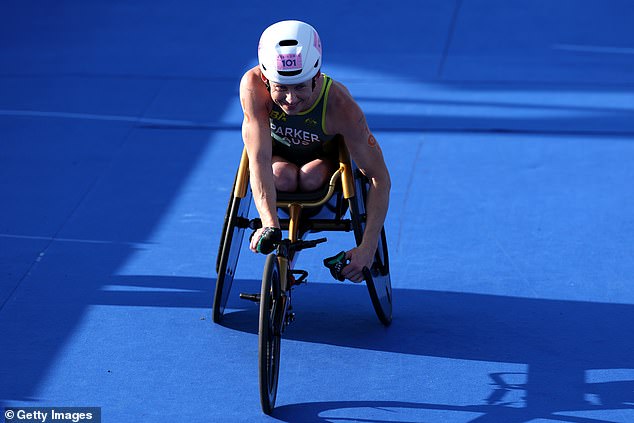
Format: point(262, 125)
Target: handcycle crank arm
point(251, 297)
point(302, 245)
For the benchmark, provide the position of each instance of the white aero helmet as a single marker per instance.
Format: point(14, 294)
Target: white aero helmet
point(289, 52)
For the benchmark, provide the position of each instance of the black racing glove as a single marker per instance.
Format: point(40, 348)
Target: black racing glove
point(269, 239)
point(335, 264)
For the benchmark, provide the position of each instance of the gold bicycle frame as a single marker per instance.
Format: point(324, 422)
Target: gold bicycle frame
point(295, 205)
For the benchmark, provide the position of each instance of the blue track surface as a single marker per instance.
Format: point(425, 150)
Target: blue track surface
point(508, 127)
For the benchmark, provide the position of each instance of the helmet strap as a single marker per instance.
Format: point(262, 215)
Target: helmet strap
point(266, 82)
point(315, 80)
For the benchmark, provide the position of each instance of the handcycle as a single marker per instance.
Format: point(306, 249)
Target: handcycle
point(339, 206)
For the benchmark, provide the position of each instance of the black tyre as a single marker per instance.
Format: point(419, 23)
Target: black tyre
point(377, 278)
point(225, 224)
point(235, 224)
point(270, 333)
point(379, 283)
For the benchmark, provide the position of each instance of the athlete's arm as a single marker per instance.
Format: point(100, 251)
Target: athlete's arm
point(344, 116)
point(256, 134)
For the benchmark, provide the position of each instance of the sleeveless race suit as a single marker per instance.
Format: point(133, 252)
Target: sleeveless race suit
point(302, 138)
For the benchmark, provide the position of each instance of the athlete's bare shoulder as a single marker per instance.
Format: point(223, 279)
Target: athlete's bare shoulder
point(252, 77)
point(342, 110)
point(339, 94)
point(253, 92)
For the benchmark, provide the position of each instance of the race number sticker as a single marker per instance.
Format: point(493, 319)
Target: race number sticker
point(287, 62)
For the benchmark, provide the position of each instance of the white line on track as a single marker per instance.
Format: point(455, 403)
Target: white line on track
point(91, 116)
point(594, 49)
point(85, 241)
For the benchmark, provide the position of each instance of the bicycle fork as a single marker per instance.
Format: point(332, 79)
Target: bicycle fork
point(286, 315)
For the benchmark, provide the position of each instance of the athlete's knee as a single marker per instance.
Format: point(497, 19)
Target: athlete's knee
point(285, 175)
point(312, 179)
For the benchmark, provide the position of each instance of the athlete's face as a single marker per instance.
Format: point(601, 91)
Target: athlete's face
point(292, 99)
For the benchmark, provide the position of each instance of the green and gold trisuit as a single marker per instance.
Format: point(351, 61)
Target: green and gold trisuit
point(302, 138)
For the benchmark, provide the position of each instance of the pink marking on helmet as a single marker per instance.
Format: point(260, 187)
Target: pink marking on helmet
point(287, 62)
point(317, 42)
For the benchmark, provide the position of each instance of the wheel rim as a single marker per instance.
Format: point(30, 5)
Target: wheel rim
point(272, 352)
point(233, 236)
point(378, 277)
point(271, 307)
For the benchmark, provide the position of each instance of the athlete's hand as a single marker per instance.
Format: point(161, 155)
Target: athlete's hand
point(264, 240)
point(359, 258)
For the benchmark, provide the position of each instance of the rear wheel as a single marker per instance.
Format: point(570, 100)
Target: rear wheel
point(379, 283)
point(235, 224)
point(377, 278)
point(270, 333)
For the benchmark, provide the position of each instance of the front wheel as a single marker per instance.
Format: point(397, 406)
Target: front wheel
point(270, 333)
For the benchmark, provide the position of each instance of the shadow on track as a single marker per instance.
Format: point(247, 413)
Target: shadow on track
point(561, 341)
point(388, 411)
